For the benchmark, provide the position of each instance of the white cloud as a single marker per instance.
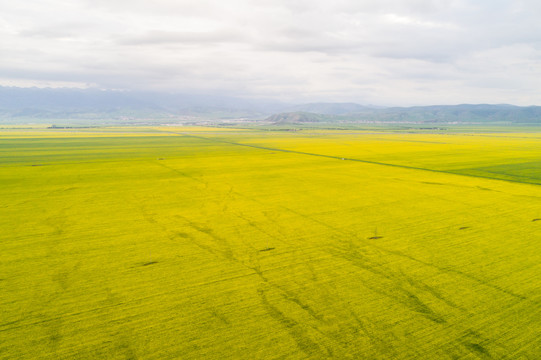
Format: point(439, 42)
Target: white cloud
point(384, 52)
point(409, 20)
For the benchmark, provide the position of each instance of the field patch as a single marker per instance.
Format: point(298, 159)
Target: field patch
point(529, 172)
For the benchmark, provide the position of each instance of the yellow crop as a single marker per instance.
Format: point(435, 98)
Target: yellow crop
point(201, 243)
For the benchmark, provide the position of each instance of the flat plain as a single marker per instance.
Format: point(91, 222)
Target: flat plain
point(208, 243)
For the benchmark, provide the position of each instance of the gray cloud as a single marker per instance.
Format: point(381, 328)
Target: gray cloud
point(384, 52)
point(157, 37)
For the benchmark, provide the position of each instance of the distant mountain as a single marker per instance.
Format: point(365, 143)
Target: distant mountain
point(94, 106)
point(460, 113)
point(69, 99)
point(297, 117)
point(35, 104)
point(423, 114)
point(330, 108)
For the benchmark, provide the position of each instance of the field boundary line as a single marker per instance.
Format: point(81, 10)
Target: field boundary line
point(352, 159)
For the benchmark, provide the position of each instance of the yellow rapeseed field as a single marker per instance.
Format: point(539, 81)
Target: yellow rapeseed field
point(206, 243)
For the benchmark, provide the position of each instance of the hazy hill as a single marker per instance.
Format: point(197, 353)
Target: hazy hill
point(297, 117)
point(22, 104)
point(330, 108)
point(459, 113)
point(94, 106)
point(423, 114)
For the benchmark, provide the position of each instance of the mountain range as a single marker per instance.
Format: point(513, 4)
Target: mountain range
point(94, 106)
point(465, 113)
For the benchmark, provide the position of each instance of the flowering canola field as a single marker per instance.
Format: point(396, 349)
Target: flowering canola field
point(202, 243)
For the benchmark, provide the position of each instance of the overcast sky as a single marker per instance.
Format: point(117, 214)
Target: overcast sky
point(384, 52)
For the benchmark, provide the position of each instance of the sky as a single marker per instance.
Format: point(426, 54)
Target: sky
point(385, 52)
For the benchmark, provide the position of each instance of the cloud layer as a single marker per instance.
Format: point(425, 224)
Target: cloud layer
point(388, 52)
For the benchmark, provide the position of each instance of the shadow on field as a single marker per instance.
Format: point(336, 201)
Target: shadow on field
point(149, 263)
